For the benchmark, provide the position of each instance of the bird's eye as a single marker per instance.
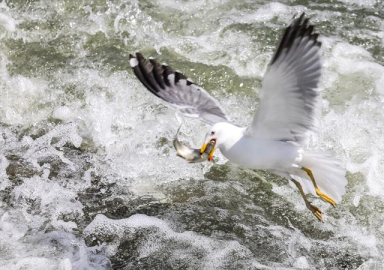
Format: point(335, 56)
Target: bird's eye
point(212, 133)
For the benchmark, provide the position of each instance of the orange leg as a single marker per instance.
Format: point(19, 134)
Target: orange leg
point(316, 211)
point(321, 194)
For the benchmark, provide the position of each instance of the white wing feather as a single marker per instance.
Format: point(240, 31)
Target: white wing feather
point(289, 101)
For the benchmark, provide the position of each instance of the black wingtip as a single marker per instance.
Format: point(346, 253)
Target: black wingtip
point(301, 17)
point(153, 75)
point(179, 76)
point(167, 71)
point(300, 27)
point(141, 59)
point(158, 71)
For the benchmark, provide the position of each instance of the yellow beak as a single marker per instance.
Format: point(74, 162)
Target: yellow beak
point(210, 157)
point(203, 148)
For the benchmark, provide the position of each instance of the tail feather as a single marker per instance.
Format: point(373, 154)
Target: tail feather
point(327, 171)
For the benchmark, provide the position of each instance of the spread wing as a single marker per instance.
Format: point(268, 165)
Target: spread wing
point(289, 103)
point(176, 89)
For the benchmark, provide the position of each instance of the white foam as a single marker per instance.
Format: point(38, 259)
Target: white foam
point(63, 113)
point(215, 252)
point(54, 250)
point(3, 174)
point(362, 3)
point(7, 22)
point(301, 263)
point(350, 60)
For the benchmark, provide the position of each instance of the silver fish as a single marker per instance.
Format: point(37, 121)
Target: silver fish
point(190, 154)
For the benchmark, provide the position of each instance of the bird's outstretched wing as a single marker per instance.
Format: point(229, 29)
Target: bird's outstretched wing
point(289, 101)
point(176, 89)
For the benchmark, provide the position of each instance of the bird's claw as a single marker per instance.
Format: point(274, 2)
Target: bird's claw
point(315, 210)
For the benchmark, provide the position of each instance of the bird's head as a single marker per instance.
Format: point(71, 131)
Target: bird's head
point(216, 134)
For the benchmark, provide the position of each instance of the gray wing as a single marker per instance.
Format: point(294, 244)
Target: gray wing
point(176, 89)
point(289, 101)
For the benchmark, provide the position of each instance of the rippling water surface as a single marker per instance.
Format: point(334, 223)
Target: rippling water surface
point(89, 178)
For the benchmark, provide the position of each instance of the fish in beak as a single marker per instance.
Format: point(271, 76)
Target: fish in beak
point(193, 155)
point(212, 149)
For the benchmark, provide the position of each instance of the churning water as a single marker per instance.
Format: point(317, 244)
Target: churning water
point(89, 178)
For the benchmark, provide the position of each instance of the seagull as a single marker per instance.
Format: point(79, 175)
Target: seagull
point(288, 111)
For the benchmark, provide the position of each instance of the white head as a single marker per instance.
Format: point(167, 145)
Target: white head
point(220, 133)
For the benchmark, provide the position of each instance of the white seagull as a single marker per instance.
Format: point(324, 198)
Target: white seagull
point(289, 109)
